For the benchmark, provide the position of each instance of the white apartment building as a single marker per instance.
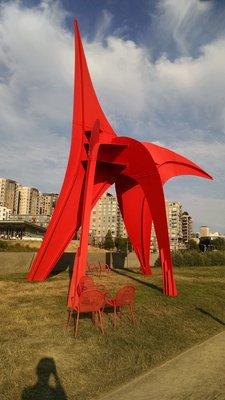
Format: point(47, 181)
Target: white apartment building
point(187, 226)
point(106, 216)
point(8, 194)
point(28, 200)
point(204, 231)
point(5, 213)
point(174, 214)
point(174, 222)
point(47, 203)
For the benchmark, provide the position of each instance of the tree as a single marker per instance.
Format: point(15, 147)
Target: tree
point(205, 243)
point(219, 243)
point(192, 245)
point(123, 244)
point(108, 242)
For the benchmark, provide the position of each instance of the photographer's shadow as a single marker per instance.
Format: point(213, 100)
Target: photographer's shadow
point(42, 390)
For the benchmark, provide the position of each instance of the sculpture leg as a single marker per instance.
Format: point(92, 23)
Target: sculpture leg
point(137, 219)
point(80, 263)
point(155, 198)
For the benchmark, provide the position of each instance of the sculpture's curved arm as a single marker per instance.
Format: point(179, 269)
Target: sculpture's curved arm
point(137, 218)
point(171, 164)
point(143, 171)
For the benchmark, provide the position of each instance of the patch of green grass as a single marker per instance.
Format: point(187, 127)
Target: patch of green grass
point(34, 316)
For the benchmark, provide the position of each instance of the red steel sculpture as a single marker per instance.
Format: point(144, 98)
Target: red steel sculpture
point(99, 158)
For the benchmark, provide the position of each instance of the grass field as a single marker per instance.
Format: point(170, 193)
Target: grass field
point(32, 329)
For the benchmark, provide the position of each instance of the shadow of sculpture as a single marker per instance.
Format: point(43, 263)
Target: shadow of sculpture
point(151, 285)
point(65, 262)
point(210, 315)
point(42, 389)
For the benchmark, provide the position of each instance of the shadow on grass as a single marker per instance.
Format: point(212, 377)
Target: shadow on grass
point(148, 284)
point(42, 390)
point(133, 271)
point(210, 315)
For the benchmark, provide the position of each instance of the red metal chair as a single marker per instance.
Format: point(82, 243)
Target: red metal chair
point(86, 282)
point(103, 268)
point(90, 301)
point(93, 268)
point(125, 297)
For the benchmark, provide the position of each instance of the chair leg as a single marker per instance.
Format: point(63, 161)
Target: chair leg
point(76, 326)
point(93, 318)
point(100, 320)
point(120, 313)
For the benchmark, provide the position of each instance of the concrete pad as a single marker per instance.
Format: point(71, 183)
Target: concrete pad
point(197, 374)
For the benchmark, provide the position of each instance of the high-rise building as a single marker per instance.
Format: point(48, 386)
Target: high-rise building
point(106, 217)
point(204, 231)
point(174, 213)
point(28, 201)
point(187, 226)
point(121, 229)
point(47, 203)
point(8, 194)
point(174, 222)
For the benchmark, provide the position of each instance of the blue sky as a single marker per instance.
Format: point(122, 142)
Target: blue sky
point(158, 69)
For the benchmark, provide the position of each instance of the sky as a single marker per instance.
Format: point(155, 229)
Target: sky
point(158, 67)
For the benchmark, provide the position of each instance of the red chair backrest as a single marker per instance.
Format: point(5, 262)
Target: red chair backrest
point(93, 267)
point(91, 300)
point(125, 295)
point(104, 267)
point(85, 282)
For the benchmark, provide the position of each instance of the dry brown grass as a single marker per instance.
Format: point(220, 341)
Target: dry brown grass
point(32, 328)
point(35, 244)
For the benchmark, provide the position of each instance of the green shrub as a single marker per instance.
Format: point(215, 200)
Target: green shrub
point(195, 258)
point(178, 259)
point(214, 258)
point(10, 246)
point(3, 245)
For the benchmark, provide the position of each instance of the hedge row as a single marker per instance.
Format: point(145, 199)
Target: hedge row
point(5, 246)
point(195, 258)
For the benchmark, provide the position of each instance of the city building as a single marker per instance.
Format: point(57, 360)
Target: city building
point(41, 220)
point(215, 235)
point(26, 204)
point(187, 226)
point(8, 194)
point(28, 200)
point(204, 231)
point(47, 203)
point(21, 230)
point(23, 203)
point(174, 213)
point(5, 213)
point(174, 221)
point(121, 229)
point(106, 217)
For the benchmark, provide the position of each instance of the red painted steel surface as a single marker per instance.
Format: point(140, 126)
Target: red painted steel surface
point(98, 158)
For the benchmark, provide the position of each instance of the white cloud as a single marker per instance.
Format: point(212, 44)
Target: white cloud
point(36, 65)
point(205, 211)
point(103, 26)
point(178, 18)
